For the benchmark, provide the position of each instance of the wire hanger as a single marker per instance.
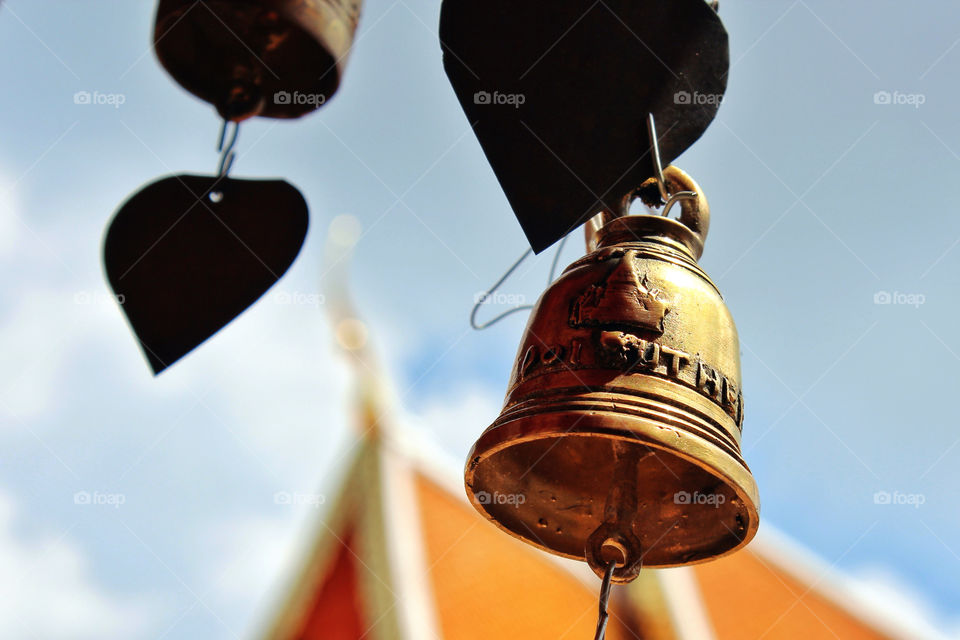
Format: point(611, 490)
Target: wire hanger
point(226, 149)
point(523, 307)
point(666, 197)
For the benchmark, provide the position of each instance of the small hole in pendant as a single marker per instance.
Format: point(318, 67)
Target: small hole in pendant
point(215, 196)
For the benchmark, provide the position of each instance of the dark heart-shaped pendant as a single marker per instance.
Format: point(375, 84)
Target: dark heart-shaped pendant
point(187, 254)
point(558, 94)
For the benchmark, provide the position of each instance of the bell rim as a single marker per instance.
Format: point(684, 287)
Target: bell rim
point(200, 85)
point(732, 471)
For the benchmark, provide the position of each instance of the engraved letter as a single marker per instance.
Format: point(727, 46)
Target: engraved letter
point(708, 381)
point(676, 361)
point(529, 361)
point(575, 348)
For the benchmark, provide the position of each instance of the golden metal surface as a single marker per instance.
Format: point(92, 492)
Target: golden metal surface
point(620, 434)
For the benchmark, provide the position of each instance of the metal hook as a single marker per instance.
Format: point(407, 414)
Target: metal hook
point(665, 196)
point(227, 153)
point(604, 600)
point(523, 307)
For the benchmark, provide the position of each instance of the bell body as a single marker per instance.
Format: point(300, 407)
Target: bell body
point(630, 354)
point(273, 58)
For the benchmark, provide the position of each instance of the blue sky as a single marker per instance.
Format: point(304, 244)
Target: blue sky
point(824, 198)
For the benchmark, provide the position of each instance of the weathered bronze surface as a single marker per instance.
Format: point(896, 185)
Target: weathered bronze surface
point(558, 93)
point(186, 254)
point(272, 58)
point(621, 427)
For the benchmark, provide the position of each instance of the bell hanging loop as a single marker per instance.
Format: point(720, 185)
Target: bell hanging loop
point(666, 188)
point(674, 185)
point(680, 188)
point(614, 540)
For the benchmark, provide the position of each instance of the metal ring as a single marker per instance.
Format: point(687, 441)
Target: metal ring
point(627, 543)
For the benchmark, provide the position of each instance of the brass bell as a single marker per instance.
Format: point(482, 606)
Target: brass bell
point(619, 440)
point(272, 58)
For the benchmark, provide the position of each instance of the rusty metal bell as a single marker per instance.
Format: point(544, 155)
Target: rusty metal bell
point(619, 440)
point(272, 58)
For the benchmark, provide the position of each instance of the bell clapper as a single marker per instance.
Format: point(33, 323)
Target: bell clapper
point(613, 550)
point(614, 539)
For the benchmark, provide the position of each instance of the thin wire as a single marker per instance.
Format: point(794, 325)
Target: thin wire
point(227, 153)
point(503, 278)
point(604, 599)
point(491, 291)
point(655, 152)
point(669, 199)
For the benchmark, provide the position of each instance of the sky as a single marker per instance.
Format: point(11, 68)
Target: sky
point(829, 171)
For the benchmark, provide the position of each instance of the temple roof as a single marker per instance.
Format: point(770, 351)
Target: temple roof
point(402, 554)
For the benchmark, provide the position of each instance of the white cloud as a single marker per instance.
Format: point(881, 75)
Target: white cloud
point(36, 338)
point(46, 591)
point(901, 604)
point(276, 385)
point(252, 560)
point(10, 227)
point(456, 418)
